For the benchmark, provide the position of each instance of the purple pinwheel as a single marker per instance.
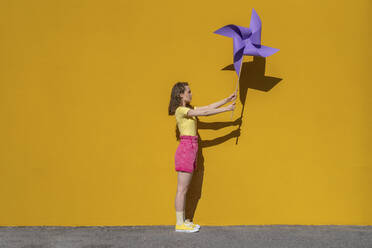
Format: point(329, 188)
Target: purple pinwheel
point(247, 41)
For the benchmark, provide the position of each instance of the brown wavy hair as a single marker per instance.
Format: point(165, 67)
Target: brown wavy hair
point(175, 99)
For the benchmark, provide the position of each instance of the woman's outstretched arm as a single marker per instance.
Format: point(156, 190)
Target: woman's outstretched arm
point(214, 105)
point(210, 111)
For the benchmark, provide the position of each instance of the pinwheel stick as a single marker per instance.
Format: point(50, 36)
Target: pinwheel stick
point(236, 89)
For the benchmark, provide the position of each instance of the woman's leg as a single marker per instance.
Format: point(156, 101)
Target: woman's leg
point(184, 179)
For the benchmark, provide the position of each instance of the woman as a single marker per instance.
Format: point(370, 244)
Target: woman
point(186, 153)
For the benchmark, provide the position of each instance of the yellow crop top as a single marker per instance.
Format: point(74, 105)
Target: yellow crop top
point(187, 125)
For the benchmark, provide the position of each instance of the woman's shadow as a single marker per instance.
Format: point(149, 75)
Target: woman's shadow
point(252, 76)
point(195, 188)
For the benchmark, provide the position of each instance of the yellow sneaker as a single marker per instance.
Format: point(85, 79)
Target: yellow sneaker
point(188, 222)
point(186, 228)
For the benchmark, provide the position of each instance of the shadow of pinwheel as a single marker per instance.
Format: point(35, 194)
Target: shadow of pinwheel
point(252, 76)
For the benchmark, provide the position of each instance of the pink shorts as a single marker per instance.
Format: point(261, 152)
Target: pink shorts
point(186, 153)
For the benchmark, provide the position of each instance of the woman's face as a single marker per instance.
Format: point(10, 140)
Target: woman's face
point(186, 96)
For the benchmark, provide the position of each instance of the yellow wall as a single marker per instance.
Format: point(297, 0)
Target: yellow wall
point(86, 139)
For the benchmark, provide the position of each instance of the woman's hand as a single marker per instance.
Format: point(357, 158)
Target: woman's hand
point(231, 107)
point(232, 97)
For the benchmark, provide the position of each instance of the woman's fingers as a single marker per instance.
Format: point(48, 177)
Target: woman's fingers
point(232, 97)
point(232, 106)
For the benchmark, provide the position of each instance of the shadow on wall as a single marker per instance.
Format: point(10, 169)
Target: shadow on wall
point(252, 76)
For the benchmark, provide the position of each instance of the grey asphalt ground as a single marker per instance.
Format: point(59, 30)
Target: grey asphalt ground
point(267, 236)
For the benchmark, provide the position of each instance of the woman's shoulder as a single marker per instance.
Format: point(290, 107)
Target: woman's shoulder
point(182, 110)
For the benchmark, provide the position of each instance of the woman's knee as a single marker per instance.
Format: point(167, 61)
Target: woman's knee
point(182, 189)
point(183, 182)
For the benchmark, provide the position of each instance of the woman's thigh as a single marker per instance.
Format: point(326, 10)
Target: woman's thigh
point(183, 180)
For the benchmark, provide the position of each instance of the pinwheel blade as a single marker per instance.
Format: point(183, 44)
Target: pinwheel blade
point(234, 31)
point(266, 51)
point(255, 26)
point(239, 47)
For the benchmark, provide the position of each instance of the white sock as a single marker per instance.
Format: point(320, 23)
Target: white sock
point(180, 217)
